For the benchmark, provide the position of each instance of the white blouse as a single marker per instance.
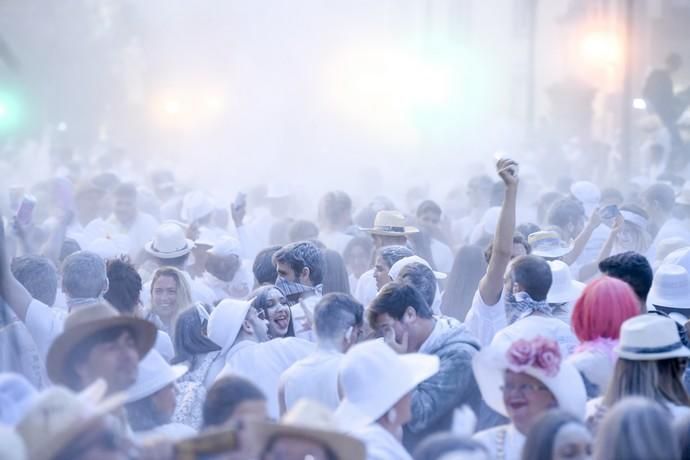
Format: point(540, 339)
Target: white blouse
point(504, 442)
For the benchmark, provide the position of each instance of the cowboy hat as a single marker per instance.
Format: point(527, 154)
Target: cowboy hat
point(86, 322)
point(59, 416)
point(405, 261)
point(560, 377)
point(169, 242)
point(548, 245)
point(309, 420)
point(225, 322)
point(670, 288)
point(650, 338)
point(390, 223)
point(374, 378)
point(563, 288)
point(154, 374)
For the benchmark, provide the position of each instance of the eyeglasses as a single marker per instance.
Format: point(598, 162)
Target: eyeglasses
point(523, 388)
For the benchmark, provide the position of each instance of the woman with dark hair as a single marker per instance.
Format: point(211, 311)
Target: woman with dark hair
point(558, 435)
point(468, 268)
point(335, 277)
point(193, 347)
point(274, 306)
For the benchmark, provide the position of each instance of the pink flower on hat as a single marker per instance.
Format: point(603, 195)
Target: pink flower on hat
point(539, 353)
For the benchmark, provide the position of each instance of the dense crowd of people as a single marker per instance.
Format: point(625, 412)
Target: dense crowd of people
point(145, 320)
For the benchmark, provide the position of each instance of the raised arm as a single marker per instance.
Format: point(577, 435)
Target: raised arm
point(491, 284)
point(583, 238)
point(14, 294)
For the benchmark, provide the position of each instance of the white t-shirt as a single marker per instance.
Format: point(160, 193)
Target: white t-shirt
point(484, 321)
point(536, 325)
point(314, 377)
point(443, 256)
point(44, 325)
point(366, 288)
point(239, 288)
point(141, 232)
point(337, 241)
point(263, 363)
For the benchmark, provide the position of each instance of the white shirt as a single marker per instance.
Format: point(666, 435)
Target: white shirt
point(506, 439)
point(366, 288)
point(380, 444)
point(44, 325)
point(239, 288)
point(263, 363)
point(137, 235)
point(536, 325)
point(443, 256)
point(314, 377)
point(484, 321)
point(337, 241)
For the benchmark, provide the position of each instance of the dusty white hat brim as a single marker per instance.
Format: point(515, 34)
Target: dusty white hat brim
point(571, 294)
point(189, 245)
point(656, 299)
point(680, 352)
point(552, 253)
point(418, 369)
point(137, 392)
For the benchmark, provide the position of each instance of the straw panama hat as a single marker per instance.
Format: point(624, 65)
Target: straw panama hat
point(548, 244)
point(309, 420)
point(225, 322)
point(169, 242)
point(88, 321)
point(154, 374)
point(374, 378)
point(390, 223)
point(405, 261)
point(566, 385)
point(563, 288)
point(670, 288)
point(59, 415)
point(650, 337)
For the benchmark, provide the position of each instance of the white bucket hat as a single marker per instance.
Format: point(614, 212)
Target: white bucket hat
point(225, 322)
point(548, 244)
point(563, 288)
point(405, 261)
point(374, 378)
point(169, 242)
point(154, 374)
point(670, 288)
point(539, 358)
point(650, 337)
point(226, 246)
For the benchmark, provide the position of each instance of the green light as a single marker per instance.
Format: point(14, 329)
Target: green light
point(11, 111)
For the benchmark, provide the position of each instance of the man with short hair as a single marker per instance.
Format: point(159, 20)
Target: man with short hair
point(338, 322)
point(568, 215)
point(133, 227)
point(658, 202)
point(634, 269)
point(264, 270)
point(400, 314)
point(84, 279)
point(38, 275)
point(242, 333)
point(419, 275)
point(300, 274)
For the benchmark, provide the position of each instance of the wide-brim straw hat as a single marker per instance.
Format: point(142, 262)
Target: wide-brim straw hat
point(86, 322)
point(490, 366)
point(59, 416)
point(225, 322)
point(650, 337)
point(309, 420)
point(548, 245)
point(390, 223)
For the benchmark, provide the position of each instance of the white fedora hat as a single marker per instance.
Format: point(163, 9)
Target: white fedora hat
point(169, 242)
point(538, 357)
point(374, 378)
point(390, 223)
point(670, 288)
point(154, 374)
point(650, 337)
point(563, 288)
point(679, 257)
point(548, 244)
point(405, 261)
point(226, 246)
point(226, 320)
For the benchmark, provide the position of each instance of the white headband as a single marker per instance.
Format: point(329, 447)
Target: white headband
point(635, 219)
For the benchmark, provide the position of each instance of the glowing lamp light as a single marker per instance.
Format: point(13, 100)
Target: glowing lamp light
point(601, 48)
point(172, 106)
point(639, 104)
